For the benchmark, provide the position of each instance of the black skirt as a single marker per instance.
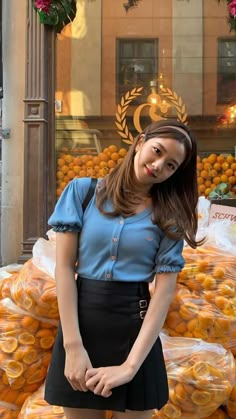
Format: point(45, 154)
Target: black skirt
point(110, 317)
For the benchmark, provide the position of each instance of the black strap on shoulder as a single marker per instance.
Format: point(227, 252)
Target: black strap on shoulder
point(90, 193)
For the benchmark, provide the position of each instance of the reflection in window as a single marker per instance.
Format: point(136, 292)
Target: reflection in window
point(137, 64)
point(226, 88)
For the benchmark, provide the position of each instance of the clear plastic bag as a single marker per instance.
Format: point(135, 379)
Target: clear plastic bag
point(25, 351)
point(8, 410)
point(204, 305)
point(36, 407)
point(32, 290)
point(200, 375)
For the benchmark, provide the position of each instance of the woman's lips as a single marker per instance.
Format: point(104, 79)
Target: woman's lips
point(149, 172)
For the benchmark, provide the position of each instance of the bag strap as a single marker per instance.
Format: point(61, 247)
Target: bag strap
point(90, 193)
point(87, 199)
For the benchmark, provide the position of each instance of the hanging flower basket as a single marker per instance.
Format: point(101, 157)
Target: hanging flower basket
point(232, 14)
point(56, 13)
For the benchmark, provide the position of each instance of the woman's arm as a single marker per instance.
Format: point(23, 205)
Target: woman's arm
point(102, 380)
point(77, 360)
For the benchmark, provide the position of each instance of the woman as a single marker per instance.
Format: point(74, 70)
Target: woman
point(108, 354)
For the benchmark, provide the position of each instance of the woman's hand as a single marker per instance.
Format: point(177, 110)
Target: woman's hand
point(76, 364)
point(101, 380)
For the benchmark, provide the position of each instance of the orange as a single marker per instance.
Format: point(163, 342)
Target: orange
point(213, 172)
point(111, 164)
point(59, 174)
point(220, 158)
point(233, 166)
point(82, 173)
point(218, 272)
point(199, 166)
point(204, 174)
point(232, 180)
point(209, 283)
point(77, 161)
point(216, 180)
point(230, 158)
point(229, 172)
point(103, 157)
point(89, 163)
point(18, 383)
point(8, 344)
point(14, 369)
point(200, 180)
point(207, 183)
point(26, 338)
point(115, 156)
point(46, 342)
point(96, 160)
point(71, 174)
point(201, 188)
point(64, 169)
point(68, 158)
point(224, 178)
point(122, 152)
point(207, 191)
point(212, 158)
point(102, 164)
point(217, 167)
point(60, 162)
point(207, 166)
point(30, 357)
point(112, 148)
point(225, 165)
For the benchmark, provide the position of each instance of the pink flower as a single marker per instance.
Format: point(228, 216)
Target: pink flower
point(43, 5)
point(232, 8)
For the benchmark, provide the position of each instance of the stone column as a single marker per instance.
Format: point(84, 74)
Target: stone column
point(39, 171)
point(13, 33)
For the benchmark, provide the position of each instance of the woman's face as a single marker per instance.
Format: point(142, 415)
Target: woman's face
point(157, 159)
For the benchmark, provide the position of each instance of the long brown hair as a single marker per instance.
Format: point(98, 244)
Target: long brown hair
point(174, 201)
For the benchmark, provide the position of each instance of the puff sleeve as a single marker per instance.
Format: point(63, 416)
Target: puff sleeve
point(68, 212)
point(169, 256)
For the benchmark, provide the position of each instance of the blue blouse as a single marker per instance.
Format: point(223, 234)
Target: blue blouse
point(114, 248)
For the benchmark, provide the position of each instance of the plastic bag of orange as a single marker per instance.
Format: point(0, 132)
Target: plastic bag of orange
point(230, 405)
point(25, 351)
point(36, 407)
point(9, 412)
point(218, 414)
point(204, 305)
point(201, 376)
point(32, 290)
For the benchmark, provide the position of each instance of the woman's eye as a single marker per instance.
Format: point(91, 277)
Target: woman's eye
point(157, 150)
point(171, 166)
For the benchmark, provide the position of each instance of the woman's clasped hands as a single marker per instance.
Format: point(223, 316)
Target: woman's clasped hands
point(102, 380)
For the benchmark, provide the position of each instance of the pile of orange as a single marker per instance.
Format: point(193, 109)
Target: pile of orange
point(218, 414)
point(200, 375)
point(70, 165)
point(204, 305)
point(32, 290)
point(213, 170)
point(25, 351)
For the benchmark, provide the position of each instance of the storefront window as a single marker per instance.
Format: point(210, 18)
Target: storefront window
point(226, 71)
point(112, 62)
point(137, 64)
